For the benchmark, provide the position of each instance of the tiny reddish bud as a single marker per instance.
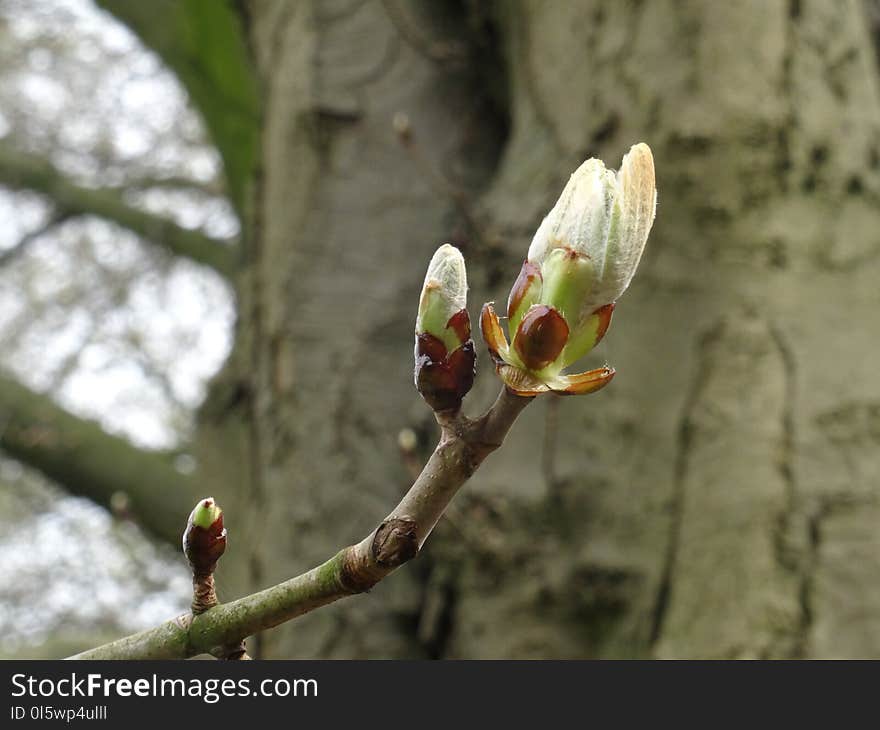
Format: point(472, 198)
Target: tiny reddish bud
point(204, 540)
point(444, 352)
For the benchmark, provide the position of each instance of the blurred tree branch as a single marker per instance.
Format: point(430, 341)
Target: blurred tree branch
point(464, 444)
point(29, 172)
point(174, 182)
point(204, 45)
point(84, 459)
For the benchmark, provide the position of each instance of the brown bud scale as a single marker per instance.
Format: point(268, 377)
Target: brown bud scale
point(460, 323)
point(443, 379)
point(540, 336)
point(604, 315)
point(527, 276)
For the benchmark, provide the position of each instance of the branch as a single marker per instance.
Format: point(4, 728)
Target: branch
point(204, 44)
point(464, 444)
point(176, 182)
point(83, 458)
point(29, 172)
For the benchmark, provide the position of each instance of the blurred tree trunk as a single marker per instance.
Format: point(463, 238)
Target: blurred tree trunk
point(720, 498)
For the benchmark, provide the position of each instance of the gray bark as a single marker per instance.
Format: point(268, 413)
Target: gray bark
point(719, 499)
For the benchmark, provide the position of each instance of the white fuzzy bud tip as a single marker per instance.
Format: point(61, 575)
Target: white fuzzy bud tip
point(605, 216)
point(444, 292)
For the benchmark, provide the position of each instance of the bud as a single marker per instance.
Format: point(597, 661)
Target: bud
point(444, 351)
point(582, 258)
point(204, 539)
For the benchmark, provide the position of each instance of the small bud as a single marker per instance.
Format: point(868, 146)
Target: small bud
point(204, 540)
point(120, 505)
point(402, 127)
point(407, 440)
point(444, 352)
point(582, 258)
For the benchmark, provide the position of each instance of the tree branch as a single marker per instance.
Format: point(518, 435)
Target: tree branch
point(34, 173)
point(176, 182)
point(82, 457)
point(464, 444)
point(205, 45)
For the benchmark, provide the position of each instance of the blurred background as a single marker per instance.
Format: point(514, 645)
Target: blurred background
point(216, 219)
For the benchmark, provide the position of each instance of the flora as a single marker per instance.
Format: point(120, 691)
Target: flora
point(581, 259)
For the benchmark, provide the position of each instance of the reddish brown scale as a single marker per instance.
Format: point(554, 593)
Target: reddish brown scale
point(540, 336)
point(444, 384)
point(443, 381)
point(588, 382)
point(460, 322)
point(528, 274)
point(492, 332)
point(604, 314)
point(431, 347)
